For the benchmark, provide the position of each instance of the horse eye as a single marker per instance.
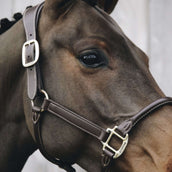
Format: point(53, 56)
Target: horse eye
point(93, 59)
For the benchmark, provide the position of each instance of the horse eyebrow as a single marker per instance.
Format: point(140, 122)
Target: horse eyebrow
point(93, 40)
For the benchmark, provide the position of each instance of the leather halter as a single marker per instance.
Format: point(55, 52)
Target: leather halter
point(30, 60)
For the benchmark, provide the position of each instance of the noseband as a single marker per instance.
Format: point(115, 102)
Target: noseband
point(30, 60)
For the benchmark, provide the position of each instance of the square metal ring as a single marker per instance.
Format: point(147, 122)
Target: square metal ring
point(106, 145)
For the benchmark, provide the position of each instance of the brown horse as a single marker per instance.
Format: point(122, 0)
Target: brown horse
point(89, 66)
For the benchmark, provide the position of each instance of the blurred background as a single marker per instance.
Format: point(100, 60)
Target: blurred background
point(148, 23)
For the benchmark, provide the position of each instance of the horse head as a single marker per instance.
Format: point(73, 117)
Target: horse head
point(89, 66)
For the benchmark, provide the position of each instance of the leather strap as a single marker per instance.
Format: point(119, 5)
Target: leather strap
point(75, 119)
point(126, 126)
point(30, 21)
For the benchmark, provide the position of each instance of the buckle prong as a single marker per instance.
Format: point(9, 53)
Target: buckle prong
point(124, 140)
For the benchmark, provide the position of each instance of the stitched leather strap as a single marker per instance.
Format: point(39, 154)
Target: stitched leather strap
point(30, 21)
point(75, 119)
point(126, 126)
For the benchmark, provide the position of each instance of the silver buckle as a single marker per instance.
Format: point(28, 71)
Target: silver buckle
point(28, 43)
point(118, 152)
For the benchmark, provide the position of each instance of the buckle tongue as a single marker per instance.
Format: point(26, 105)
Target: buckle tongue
point(36, 52)
point(124, 140)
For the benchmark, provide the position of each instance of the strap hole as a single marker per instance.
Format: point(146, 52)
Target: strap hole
point(30, 34)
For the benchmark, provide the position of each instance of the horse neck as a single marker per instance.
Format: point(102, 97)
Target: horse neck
point(15, 143)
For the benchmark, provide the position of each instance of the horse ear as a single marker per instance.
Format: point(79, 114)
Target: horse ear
point(107, 5)
point(56, 7)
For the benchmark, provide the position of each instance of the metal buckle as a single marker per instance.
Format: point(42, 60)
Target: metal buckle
point(118, 152)
point(36, 51)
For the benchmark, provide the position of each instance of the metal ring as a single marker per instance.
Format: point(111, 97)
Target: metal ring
point(106, 160)
point(44, 93)
point(36, 117)
point(32, 103)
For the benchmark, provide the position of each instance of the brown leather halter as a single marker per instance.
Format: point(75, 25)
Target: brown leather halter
point(30, 60)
